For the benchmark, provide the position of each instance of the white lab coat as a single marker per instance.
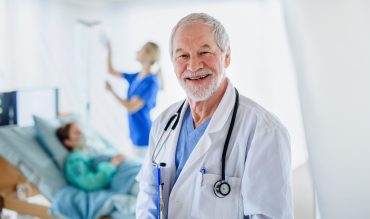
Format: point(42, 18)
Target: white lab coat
point(258, 166)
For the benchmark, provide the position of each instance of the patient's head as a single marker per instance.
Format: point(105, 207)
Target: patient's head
point(70, 135)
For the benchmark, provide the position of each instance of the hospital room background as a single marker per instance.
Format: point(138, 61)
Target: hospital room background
point(306, 61)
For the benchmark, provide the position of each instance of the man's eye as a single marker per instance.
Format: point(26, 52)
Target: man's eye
point(182, 56)
point(204, 53)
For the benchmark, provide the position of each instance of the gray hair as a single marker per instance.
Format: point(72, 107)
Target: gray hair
point(219, 32)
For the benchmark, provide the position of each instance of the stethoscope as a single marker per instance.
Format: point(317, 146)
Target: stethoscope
point(221, 188)
point(157, 149)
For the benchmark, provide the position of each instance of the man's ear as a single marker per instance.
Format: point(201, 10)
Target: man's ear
point(227, 58)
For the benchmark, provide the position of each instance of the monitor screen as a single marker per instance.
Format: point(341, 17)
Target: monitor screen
point(7, 106)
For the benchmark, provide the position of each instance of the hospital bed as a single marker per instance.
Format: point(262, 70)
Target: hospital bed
point(26, 169)
point(18, 170)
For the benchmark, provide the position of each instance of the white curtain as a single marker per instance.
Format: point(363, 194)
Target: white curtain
point(330, 40)
point(43, 44)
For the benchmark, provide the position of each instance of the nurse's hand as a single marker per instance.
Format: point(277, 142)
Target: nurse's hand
point(108, 86)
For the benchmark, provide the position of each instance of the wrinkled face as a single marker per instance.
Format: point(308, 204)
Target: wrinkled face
point(198, 61)
point(75, 136)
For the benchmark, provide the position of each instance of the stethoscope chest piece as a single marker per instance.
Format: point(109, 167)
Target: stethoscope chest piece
point(221, 188)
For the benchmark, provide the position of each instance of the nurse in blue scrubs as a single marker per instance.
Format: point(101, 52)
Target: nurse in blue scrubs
point(141, 94)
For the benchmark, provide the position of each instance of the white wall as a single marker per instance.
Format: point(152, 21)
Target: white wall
point(332, 51)
point(45, 46)
point(2, 42)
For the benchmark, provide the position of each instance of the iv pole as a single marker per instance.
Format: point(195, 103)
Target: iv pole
point(90, 25)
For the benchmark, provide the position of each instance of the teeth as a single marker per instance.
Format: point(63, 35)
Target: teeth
point(197, 78)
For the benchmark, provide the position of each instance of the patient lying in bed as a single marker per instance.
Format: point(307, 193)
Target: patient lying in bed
point(90, 172)
point(101, 185)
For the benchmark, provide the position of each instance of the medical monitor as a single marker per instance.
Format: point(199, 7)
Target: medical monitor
point(18, 107)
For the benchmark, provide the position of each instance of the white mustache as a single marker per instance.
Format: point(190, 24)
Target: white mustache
point(199, 73)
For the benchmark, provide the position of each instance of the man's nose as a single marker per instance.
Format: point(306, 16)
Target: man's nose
point(195, 64)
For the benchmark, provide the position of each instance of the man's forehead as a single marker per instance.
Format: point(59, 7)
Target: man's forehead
point(193, 29)
point(197, 35)
point(204, 46)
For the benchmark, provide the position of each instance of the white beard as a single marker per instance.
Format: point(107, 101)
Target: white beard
point(201, 93)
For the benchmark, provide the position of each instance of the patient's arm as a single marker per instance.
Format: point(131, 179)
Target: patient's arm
point(117, 159)
point(80, 173)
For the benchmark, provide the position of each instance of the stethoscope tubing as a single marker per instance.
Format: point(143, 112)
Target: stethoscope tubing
point(176, 117)
point(229, 132)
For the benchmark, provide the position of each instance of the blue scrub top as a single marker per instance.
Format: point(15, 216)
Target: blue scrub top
point(139, 122)
point(188, 139)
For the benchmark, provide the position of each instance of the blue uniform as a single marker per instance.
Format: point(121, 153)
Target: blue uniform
point(188, 139)
point(139, 122)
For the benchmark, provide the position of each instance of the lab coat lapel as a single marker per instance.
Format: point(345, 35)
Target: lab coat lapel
point(209, 138)
point(171, 145)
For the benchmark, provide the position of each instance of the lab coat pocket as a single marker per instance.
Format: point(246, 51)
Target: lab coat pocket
point(207, 205)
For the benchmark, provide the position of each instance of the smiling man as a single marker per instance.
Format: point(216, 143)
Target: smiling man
point(223, 155)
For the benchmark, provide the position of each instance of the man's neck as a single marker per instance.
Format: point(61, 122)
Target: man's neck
point(203, 110)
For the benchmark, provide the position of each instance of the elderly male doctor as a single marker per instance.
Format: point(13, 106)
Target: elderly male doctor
point(199, 178)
